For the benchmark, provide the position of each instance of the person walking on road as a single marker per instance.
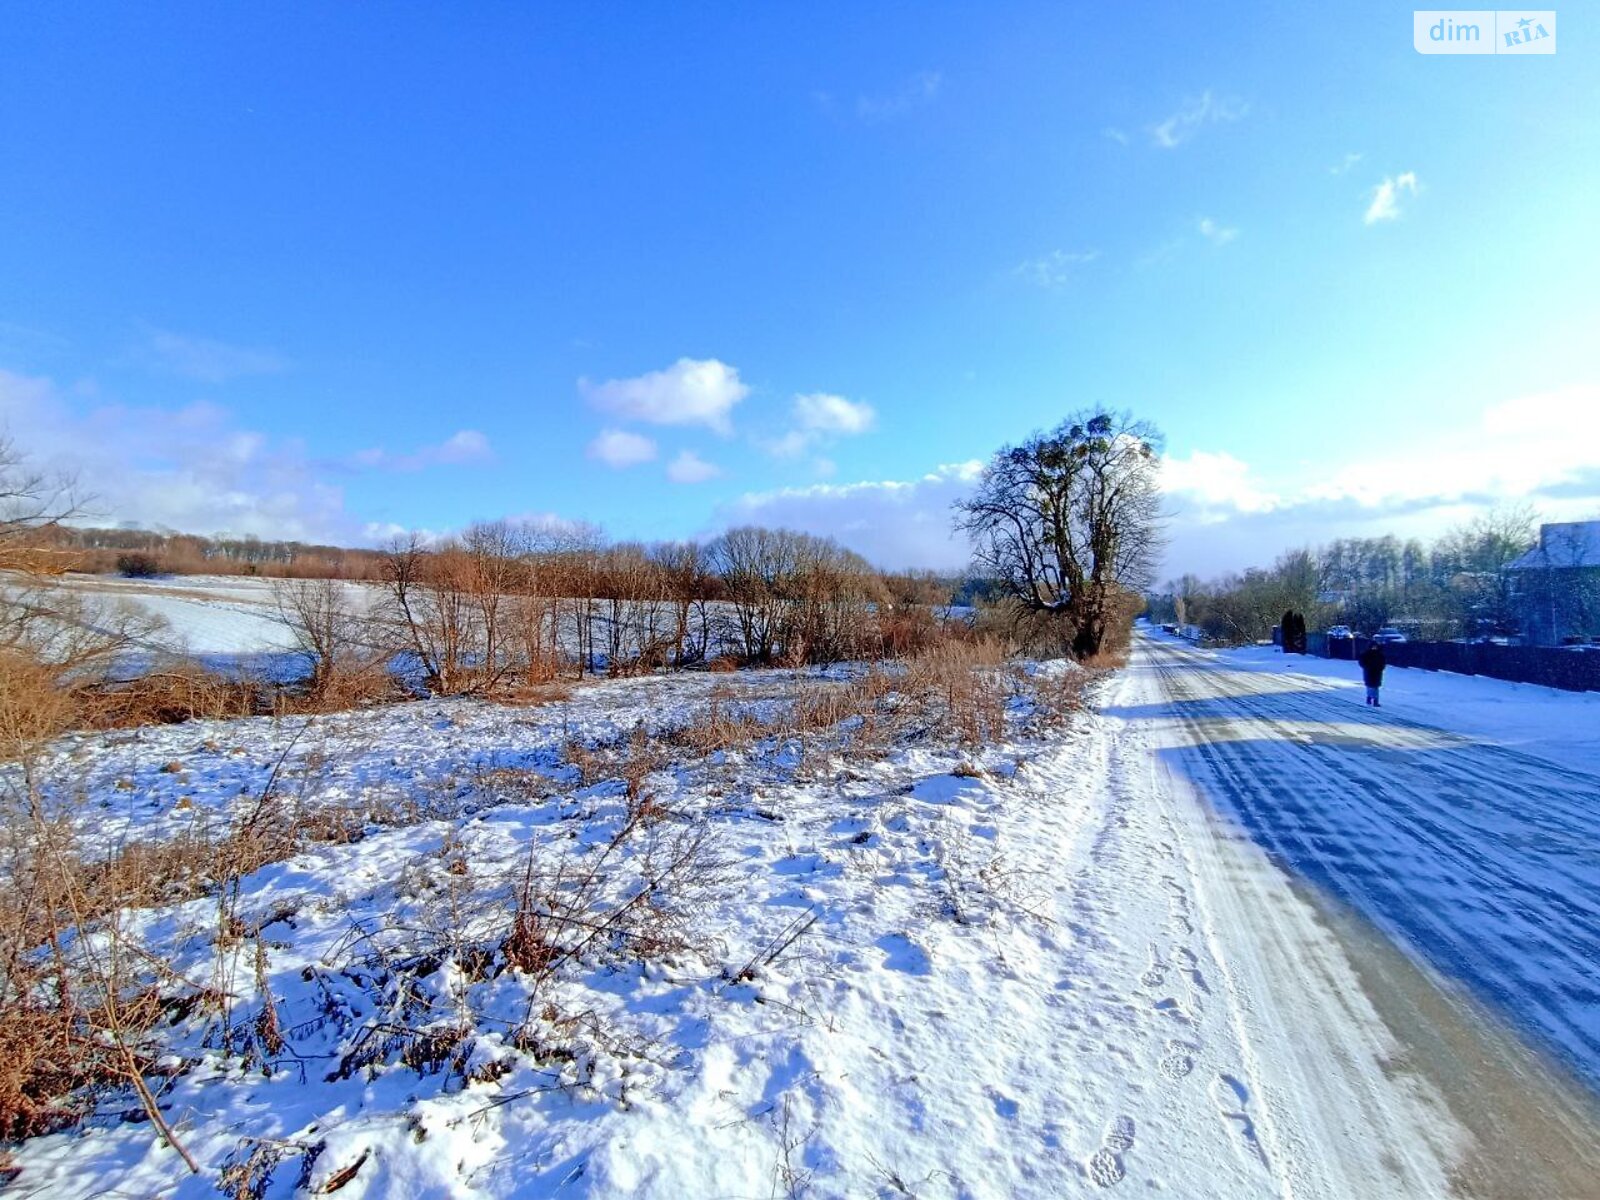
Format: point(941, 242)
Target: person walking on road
point(1372, 664)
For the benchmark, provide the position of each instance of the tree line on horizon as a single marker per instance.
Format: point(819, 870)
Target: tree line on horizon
point(1453, 586)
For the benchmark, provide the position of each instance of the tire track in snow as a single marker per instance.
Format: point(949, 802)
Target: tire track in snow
point(1307, 1098)
point(1531, 948)
point(1530, 1133)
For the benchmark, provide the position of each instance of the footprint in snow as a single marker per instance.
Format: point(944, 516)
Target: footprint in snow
point(1155, 974)
point(1170, 1007)
point(1105, 1164)
point(1178, 1061)
point(1184, 959)
point(1232, 1099)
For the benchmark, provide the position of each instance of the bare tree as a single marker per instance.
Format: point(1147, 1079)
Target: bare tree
point(429, 610)
point(687, 578)
point(1069, 521)
point(33, 505)
point(328, 628)
point(755, 564)
point(64, 633)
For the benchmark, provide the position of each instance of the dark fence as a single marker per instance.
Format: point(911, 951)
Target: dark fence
point(1547, 666)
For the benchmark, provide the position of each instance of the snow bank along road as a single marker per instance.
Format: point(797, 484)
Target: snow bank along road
point(1230, 935)
point(1445, 886)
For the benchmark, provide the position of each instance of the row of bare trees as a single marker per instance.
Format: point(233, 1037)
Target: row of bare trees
point(507, 603)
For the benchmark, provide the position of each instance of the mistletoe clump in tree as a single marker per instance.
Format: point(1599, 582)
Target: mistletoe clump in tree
point(1069, 523)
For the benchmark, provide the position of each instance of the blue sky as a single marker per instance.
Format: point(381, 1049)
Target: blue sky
point(330, 271)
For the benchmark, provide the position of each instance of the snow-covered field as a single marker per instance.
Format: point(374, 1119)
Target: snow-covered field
point(231, 622)
point(1188, 942)
point(204, 615)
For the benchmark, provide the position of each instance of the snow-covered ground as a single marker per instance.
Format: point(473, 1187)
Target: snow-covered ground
point(206, 615)
point(1176, 945)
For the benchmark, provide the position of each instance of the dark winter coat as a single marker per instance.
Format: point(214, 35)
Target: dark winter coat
point(1372, 664)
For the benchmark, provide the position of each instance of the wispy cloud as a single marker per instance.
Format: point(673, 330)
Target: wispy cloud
point(618, 449)
point(1533, 447)
point(689, 467)
point(192, 468)
point(1217, 235)
point(1115, 134)
point(825, 413)
point(819, 418)
point(1344, 164)
point(204, 359)
point(916, 92)
point(1195, 114)
point(894, 523)
point(1055, 269)
point(462, 448)
point(1385, 203)
point(689, 392)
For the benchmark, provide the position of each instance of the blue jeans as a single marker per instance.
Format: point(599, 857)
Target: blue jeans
point(1372, 694)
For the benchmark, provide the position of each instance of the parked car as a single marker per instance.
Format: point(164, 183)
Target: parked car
point(1388, 636)
point(1340, 632)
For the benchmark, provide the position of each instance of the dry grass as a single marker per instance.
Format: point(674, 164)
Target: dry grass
point(536, 695)
point(962, 688)
point(78, 995)
point(181, 693)
point(722, 726)
point(1058, 696)
point(1110, 658)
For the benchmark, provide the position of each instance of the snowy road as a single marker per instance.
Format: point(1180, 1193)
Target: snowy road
point(1400, 913)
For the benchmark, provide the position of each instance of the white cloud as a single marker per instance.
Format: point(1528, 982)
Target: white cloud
point(1193, 115)
point(823, 412)
point(1344, 164)
point(1116, 135)
point(1217, 485)
point(1538, 443)
point(891, 523)
point(689, 467)
point(1214, 233)
point(618, 448)
point(462, 448)
point(820, 417)
point(689, 392)
point(191, 469)
point(1536, 447)
point(917, 91)
point(1055, 269)
point(1385, 203)
point(204, 359)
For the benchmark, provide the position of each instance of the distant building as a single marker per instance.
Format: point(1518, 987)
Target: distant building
point(1556, 585)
